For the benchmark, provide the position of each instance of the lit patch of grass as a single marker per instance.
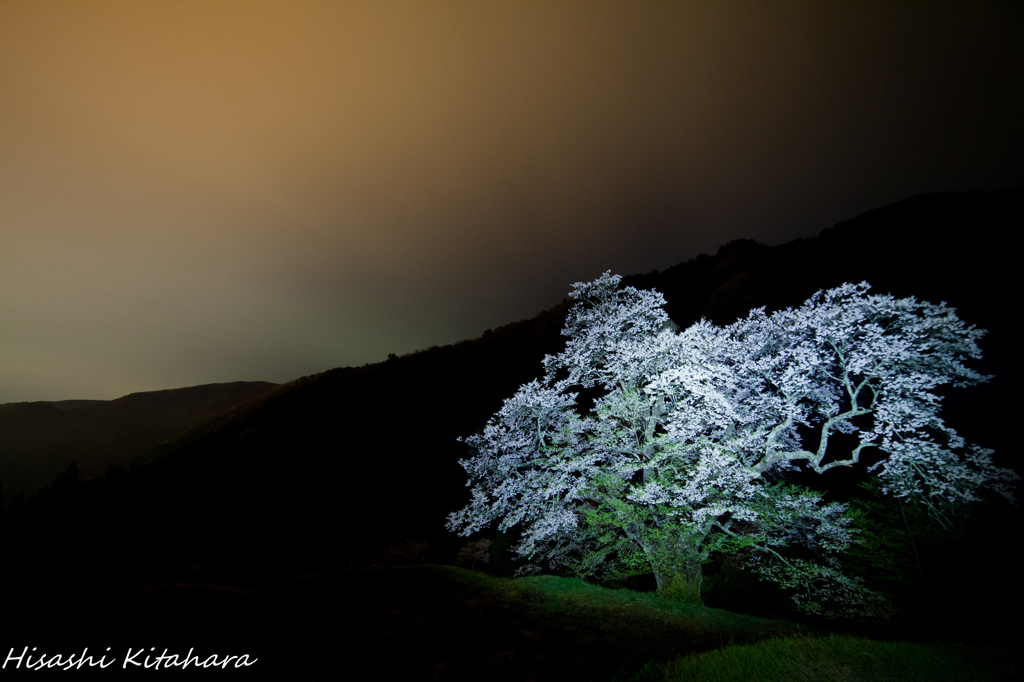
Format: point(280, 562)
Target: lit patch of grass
point(599, 615)
point(576, 595)
point(838, 659)
point(573, 595)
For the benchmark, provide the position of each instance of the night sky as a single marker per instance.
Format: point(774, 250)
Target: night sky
point(200, 191)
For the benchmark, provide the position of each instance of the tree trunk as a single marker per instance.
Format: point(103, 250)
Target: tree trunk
point(677, 568)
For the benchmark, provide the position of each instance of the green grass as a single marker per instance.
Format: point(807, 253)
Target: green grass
point(749, 649)
point(446, 623)
point(581, 598)
point(838, 659)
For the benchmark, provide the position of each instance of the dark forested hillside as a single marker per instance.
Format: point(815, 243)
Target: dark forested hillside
point(333, 469)
point(39, 439)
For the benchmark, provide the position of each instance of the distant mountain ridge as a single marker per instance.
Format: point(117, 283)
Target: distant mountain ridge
point(39, 439)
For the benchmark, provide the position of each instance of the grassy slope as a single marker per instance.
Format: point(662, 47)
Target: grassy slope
point(840, 659)
point(430, 622)
point(440, 622)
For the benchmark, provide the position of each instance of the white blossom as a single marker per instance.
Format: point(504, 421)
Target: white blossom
point(685, 449)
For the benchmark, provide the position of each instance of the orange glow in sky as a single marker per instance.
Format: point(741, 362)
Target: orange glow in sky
point(200, 191)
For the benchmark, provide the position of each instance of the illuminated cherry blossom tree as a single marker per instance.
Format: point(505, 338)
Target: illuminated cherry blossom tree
point(691, 433)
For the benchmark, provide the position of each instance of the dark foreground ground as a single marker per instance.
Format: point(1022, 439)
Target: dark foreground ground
point(412, 623)
point(406, 623)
